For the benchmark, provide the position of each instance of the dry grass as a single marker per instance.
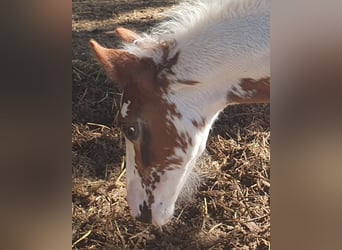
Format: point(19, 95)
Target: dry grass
point(231, 209)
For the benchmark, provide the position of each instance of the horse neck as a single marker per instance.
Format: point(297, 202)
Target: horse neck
point(218, 55)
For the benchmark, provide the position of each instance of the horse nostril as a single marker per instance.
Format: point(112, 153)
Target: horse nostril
point(146, 213)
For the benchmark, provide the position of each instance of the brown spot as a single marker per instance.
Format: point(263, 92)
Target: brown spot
point(258, 91)
point(167, 63)
point(199, 124)
point(183, 141)
point(156, 179)
point(150, 196)
point(156, 176)
point(189, 140)
point(188, 82)
point(173, 111)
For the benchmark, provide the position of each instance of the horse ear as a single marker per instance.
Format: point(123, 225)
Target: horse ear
point(114, 62)
point(126, 35)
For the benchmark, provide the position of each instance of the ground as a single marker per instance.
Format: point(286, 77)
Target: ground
point(231, 209)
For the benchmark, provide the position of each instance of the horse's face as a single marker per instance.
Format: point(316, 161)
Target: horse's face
point(157, 154)
point(163, 135)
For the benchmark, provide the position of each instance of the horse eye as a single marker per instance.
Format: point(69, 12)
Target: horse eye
point(130, 131)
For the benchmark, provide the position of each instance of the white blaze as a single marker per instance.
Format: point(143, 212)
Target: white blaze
point(135, 193)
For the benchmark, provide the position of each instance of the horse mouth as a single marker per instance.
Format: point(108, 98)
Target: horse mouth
point(145, 214)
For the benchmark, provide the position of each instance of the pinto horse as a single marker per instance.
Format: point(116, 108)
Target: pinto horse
point(176, 79)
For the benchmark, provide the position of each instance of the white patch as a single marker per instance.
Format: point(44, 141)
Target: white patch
point(124, 109)
point(135, 192)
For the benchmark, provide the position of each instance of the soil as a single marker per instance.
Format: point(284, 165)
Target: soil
point(231, 209)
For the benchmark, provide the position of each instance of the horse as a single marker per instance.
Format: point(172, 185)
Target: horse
point(176, 79)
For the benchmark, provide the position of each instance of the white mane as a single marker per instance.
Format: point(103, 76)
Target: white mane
point(189, 20)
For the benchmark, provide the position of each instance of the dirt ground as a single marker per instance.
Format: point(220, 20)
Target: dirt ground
point(231, 209)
